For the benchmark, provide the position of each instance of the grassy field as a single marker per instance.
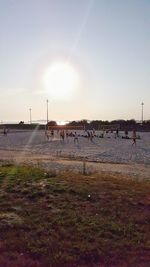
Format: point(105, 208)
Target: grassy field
point(49, 220)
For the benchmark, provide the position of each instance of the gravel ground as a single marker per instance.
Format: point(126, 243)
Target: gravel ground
point(103, 154)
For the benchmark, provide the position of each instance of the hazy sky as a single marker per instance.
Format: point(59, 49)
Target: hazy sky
point(105, 42)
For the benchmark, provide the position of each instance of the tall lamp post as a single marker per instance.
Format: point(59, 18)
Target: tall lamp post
point(47, 109)
point(30, 115)
point(142, 104)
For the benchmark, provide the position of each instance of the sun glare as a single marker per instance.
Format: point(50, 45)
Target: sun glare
point(60, 80)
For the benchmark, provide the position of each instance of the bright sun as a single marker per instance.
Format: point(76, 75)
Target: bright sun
point(60, 80)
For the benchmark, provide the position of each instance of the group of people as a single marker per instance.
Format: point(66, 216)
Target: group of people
point(89, 134)
point(62, 134)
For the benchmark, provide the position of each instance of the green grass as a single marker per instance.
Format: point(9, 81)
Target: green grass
point(49, 220)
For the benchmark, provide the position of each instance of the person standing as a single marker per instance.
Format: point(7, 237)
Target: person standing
point(134, 137)
point(5, 131)
point(126, 134)
point(117, 132)
point(76, 138)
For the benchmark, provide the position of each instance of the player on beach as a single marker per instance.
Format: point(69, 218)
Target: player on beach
point(91, 136)
point(5, 131)
point(126, 134)
point(76, 138)
point(52, 134)
point(46, 134)
point(134, 138)
point(62, 135)
point(117, 132)
point(67, 136)
point(88, 135)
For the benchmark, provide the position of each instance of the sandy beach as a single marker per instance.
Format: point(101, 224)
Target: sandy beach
point(103, 154)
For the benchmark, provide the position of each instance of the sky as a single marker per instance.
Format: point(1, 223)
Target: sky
point(104, 44)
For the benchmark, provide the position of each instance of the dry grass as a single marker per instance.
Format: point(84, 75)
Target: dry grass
point(49, 220)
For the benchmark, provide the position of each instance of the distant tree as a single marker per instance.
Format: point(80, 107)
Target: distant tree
point(83, 122)
point(72, 123)
point(146, 122)
point(78, 123)
point(52, 123)
point(95, 124)
point(132, 122)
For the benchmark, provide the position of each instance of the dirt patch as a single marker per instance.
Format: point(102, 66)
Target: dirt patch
point(10, 219)
point(57, 164)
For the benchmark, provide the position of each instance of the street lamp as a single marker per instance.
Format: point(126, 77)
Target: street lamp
point(30, 115)
point(47, 109)
point(142, 104)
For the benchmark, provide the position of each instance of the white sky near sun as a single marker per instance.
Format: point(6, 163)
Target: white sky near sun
point(101, 47)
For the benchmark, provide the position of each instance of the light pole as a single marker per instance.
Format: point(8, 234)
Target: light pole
point(142, 104)
point(47, 109)
point(30, 115)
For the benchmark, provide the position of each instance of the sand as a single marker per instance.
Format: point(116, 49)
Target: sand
point(103, 154)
